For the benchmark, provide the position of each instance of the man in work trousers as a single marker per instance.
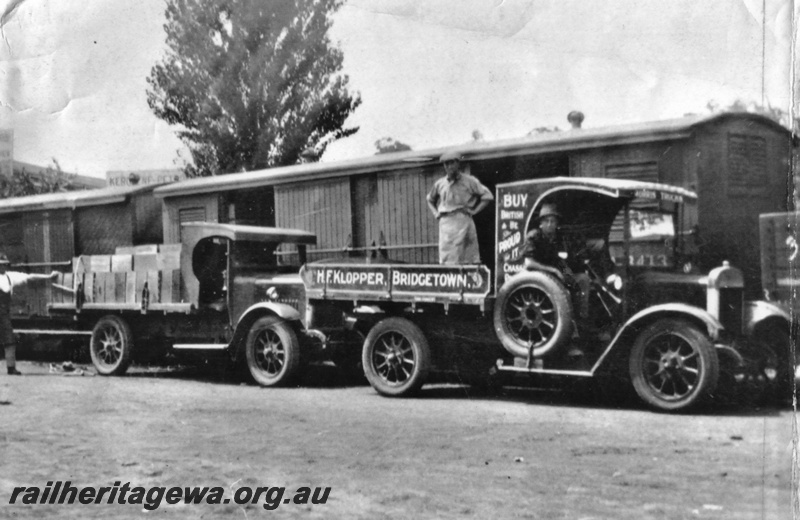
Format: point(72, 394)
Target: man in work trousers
point(9, 280)
point(454, 200)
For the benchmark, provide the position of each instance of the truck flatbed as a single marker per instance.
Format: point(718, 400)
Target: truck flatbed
point(408, 283)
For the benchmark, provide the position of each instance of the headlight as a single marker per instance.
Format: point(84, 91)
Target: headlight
point(614, 281)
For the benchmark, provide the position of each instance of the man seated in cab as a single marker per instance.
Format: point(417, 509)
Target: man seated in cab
point(547, 250)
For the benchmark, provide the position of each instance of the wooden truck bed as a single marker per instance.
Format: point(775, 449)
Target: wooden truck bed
point(117, 282)
point(412, 283)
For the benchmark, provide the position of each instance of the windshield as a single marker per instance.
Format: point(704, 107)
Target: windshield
point(652, 238)
point(266, 256)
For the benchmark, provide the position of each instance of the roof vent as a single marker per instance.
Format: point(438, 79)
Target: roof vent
point(575, 119)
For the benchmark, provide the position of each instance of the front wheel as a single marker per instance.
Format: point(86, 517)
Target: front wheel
point(111, 346)
point(396, 357)
point(673, 365)
point(272, 351)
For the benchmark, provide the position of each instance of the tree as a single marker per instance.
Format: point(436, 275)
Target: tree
point(251, 84)
point(23, 182)
point(776, 114)
point(390, 145)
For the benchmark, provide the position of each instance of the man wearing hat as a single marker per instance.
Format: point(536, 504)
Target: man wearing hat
point(546, 250)
point(543, 244)
point(9, 280)
point(454, 200)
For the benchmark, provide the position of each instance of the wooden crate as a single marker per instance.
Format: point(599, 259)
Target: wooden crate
point(136, 250)
point(121, 263)
point(130, 288)
point(99, 263)
point(171, 286)
point(145, 262)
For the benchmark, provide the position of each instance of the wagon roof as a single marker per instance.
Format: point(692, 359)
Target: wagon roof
point(586, 138)
point(71, 199)
point(614, 187)
point(251, 233)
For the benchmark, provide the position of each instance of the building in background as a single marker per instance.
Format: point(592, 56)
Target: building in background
point(142, 177)
point(76, 182)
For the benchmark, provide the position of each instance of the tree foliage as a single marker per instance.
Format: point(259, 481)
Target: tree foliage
point(23, 182)
point(251, 84)
point(390, 145)
point(776, 114)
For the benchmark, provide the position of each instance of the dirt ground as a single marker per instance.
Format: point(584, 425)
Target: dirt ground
point(451, 453)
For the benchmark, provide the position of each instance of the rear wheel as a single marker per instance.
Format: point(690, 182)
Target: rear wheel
point(272, 351)
point(396, 357)
point(673, 365)
point(111, 346)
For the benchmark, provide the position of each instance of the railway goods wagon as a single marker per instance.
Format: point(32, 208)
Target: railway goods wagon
point(42, 233)
point(738, 163)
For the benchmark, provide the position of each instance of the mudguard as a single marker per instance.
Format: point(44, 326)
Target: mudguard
point(713, 325)
point(756, 312)
point(282, 310)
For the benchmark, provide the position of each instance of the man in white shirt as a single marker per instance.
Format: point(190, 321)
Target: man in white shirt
point(9, 280)
point(454, 200)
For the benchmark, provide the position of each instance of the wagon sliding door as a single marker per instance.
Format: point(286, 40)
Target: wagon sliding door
point(322, 208)
point(392, 213)
point(48, 242)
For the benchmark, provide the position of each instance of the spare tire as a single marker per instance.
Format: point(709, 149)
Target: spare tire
point(533, 309)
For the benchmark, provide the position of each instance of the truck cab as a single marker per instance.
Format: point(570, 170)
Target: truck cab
point(644, 306)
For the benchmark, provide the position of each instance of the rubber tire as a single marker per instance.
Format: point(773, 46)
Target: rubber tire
point(111, 332)
point(408, 335)
point(706, 366)
point(776, 343)
point(559, 299)
point(287, 344)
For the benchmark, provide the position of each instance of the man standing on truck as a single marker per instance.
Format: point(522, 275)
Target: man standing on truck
point(454, 200)
point(9, 280)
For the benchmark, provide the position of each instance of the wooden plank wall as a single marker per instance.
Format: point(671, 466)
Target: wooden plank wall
point(148, 223)
point(398, 215)
point(728, 214)
point(100, 229)
point(48, 237)
point(323, 208)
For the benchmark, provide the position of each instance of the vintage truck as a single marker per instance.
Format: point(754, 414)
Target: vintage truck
point(780, 272)
point(676, 335)
point(200, 296)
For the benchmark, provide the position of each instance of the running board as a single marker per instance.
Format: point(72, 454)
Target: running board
point(53, 332)
point(200, 346)
point(533, 370)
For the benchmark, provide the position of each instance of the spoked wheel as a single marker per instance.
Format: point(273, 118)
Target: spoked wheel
point(396, 357)
point(533, 309)
point(272, 351)
point(673, 365)
point(111, 346)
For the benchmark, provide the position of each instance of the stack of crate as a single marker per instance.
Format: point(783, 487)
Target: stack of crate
point(121, 278)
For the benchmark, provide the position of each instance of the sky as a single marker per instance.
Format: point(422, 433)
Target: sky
point(73, 74)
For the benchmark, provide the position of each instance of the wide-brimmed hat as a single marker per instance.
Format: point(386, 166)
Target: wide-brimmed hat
point(4, 259)
point(450, 156)
point(549, 210)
